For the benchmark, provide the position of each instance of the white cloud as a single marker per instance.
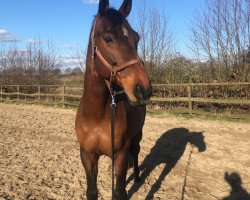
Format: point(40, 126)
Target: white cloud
point(3, 32)
point(36, 41)
point(69, 46)
point(70, 59)
point(91, 1)
point(6, 36)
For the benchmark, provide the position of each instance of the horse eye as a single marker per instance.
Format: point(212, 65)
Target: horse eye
point(108, 39)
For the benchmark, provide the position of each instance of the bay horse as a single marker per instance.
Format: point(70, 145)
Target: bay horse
point(114, 71)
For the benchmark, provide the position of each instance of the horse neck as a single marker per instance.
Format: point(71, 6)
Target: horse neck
point(96, 93)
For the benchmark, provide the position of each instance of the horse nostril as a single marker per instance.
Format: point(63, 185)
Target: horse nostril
point(148, 93)
point(139, 91)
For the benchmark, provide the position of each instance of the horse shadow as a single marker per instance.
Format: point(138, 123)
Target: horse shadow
point(237, 191)
point(168, 149)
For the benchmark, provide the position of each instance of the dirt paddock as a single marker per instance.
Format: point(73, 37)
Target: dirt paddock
point(180, 158)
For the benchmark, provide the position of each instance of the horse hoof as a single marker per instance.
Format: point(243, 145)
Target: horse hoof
point(92, 195)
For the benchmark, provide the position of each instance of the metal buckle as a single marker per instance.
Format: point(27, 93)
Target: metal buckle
point(113, 73)
point(113, 104)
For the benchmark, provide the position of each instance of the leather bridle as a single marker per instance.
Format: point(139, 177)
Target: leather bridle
point(113, 69)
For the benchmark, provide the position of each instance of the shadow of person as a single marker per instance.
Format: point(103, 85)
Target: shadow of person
point(168, 149)
point(237, 191)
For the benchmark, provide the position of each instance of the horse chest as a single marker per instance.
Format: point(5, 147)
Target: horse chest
point(95, 135)
point(121, 127)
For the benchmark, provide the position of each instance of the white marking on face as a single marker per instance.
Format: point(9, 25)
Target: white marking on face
point(125, 31)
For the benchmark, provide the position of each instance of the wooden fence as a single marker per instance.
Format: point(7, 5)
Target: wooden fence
point(208, 93)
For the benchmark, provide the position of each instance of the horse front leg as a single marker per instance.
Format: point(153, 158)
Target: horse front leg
point(121, 166)
point(136, 167)
point(90, 163)
point(135, 150)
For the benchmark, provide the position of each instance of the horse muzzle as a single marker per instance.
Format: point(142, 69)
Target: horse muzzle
point(142, 95)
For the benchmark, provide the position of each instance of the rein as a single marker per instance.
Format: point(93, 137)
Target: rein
point(113, 93)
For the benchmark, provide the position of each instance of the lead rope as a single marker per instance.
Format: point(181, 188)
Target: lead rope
point(113, 94)
point(113, 106)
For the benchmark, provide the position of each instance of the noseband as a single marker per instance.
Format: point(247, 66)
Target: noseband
point(113, 69)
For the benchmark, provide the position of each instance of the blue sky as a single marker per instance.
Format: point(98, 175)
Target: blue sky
point(67, 22)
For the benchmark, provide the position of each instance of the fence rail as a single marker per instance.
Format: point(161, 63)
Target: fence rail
point(163, 93)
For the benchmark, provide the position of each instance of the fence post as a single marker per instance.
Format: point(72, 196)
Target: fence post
point(1, 93)
point(190, 103)
point(17, 88)
point(10, 92)
point(25, 95)
point(39, 93)
point(63, 95)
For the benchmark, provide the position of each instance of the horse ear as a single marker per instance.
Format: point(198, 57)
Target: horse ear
point(103, 6)
point(126, 7)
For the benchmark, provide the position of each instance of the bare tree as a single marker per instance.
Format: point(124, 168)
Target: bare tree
point(220, 35)
point(33, 65)
point(157, 42)
point(2, 62)
point(80, 55)
point(5, 46)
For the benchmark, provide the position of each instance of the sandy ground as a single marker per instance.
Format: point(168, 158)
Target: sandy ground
point(180, 158)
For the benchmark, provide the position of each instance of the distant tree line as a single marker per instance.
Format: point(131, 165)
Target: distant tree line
point(221, 34)
point(73, 71)
point(219, 42)
point(32, 65)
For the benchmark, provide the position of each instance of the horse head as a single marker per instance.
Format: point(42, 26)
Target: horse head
point(197, 139)
point(114, 46)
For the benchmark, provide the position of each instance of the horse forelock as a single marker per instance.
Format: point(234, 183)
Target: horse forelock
point(113, 17)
